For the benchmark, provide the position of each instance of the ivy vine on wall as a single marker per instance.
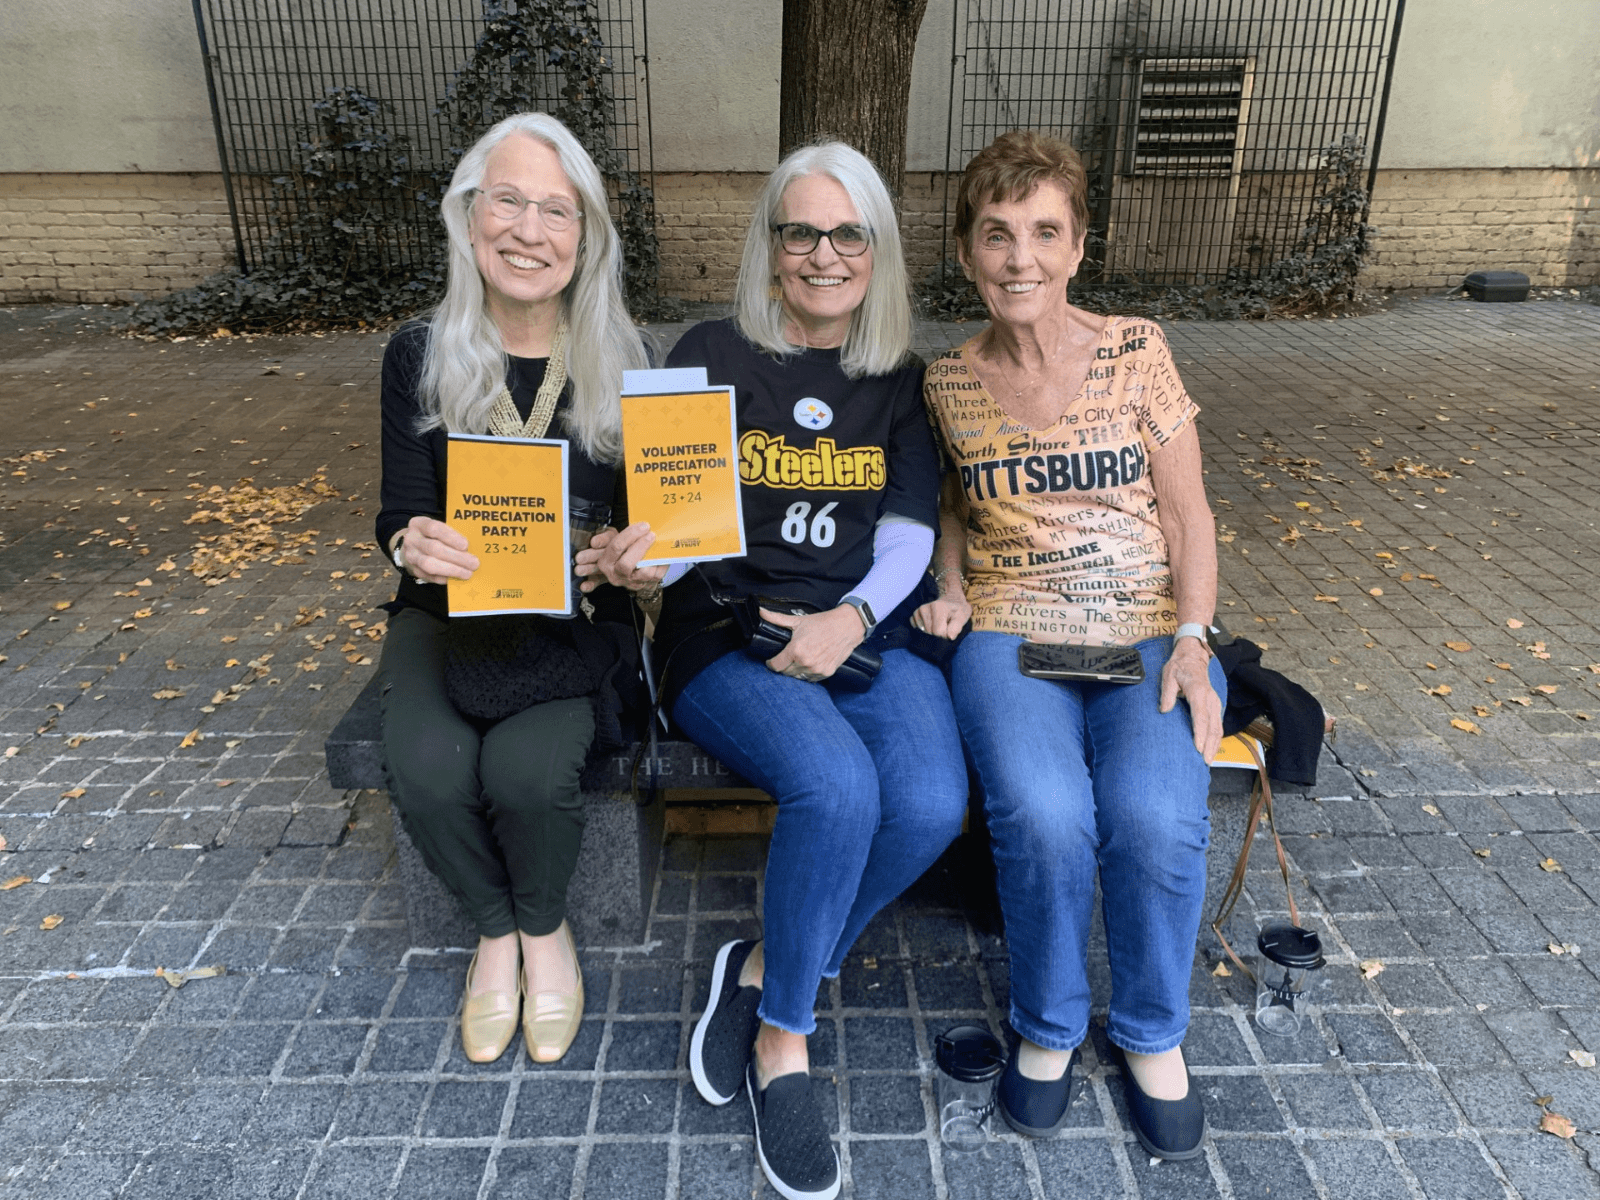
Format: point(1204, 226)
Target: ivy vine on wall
point(356, 235)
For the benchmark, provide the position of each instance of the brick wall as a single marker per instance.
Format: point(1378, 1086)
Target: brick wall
point(92, 239)
point(117, 237)
point(1437, 226)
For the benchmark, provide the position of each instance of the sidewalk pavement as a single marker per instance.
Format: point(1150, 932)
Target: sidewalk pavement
point(1407, 522)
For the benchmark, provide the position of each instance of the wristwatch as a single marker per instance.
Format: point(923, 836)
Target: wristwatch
point(864, 611)
point(399, 554)
point(1195, 630)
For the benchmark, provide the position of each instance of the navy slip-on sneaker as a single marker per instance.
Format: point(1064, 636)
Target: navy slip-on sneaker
point(719, 1051)
point(1171, 1129)
point(792, 1142)
point(1033, 1107)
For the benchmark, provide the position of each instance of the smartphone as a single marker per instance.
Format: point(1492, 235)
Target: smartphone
point(1100, 664)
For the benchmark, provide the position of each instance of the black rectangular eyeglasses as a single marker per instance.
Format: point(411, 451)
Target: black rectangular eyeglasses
point(847, 240)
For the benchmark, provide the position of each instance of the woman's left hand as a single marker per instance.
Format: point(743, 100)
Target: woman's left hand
point(819, 644)
point(1186, 675)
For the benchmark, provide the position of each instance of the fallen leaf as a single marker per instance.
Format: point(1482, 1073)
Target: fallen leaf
point(1444, 689)
point(1582, 1057)
point(1548, 689)
point(1513, 623)
point(1221, 971)
point(1503, 666)
point(1458, 647)
point(145, 583)
point(1481, 853)
point(1522, 700)
point(1541, 1101)
point(1463, 725)
point(2, 842)
point(1374, 591)
point(1557, 1124)
point(51, 921)
point(166, 694)
point(1430, 810)
point(1549, 864)
point(74, 793)
point(198, 612)
point(142, 614)
point(62, 605)
point(1371, 968)
point(189, 739)
point(1326, 599)
point(15, 881)
point(13, 751)
point(1583, 716)
point(178, 978)
point(1556, 948)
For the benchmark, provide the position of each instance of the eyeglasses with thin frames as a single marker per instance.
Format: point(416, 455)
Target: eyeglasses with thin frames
point(507, 204)
point(848, 240)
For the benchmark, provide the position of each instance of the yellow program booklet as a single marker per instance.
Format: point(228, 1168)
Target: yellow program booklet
point(508, 498)
point(679, 452)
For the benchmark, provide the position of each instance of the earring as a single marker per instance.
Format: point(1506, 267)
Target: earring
point(774, 290)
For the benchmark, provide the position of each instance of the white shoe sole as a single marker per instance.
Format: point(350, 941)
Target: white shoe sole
point(697, 1044)
point(783, 1189)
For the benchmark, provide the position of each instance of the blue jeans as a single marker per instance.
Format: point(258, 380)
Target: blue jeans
point(870, 787)
point(1079, 777)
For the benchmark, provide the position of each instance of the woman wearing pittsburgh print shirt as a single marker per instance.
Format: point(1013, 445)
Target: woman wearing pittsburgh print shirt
point(840, 494)
point(1078, 513)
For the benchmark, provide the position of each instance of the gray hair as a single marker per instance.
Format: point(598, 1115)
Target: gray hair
point(879, 338)
point(465, 365)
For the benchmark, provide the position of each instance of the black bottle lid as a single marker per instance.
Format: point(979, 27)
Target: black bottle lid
point(969, 1054)
point(1290, 946)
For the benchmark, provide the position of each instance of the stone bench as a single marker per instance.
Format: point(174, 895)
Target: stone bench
point(609, 899)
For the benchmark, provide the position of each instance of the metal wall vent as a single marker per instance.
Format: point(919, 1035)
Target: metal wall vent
point(1190, 116)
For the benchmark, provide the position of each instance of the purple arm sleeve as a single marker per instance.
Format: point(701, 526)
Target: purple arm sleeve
point(901, 550)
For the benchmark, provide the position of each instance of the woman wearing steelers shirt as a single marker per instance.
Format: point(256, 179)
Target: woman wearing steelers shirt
point(1076, 509)
point(840, 494)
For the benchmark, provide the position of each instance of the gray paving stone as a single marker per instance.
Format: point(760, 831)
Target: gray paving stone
point(1449, 1169)
point(443, 1172)
point(628, 1170)
point(1540, 1165)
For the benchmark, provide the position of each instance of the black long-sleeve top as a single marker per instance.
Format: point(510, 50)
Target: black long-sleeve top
point(414, 463)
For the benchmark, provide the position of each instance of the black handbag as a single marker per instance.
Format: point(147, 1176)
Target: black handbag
point(765, 639)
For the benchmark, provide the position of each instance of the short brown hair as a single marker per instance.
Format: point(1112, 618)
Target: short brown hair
point(1011, 167)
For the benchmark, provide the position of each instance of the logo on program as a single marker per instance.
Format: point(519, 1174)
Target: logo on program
point(812, 413)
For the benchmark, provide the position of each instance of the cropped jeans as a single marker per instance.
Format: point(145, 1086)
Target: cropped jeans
point(870, 787)
point(1080, 778)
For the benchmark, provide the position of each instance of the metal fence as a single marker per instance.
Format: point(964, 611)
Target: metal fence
point(1210, 129)
point(339, 119)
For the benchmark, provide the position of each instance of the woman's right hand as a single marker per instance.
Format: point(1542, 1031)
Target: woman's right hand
point(945, 617)
point(435, 553)
point(615, 554)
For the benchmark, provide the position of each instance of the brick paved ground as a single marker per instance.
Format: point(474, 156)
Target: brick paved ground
point(326, 1062)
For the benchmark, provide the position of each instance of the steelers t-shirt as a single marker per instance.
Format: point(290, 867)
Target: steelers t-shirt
point(1064, 542)
point(821, 458)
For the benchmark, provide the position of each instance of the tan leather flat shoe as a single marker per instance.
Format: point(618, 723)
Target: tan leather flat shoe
point(489, 1019)
point(550, 1020)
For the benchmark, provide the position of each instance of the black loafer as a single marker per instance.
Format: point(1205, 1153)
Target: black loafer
point(1170, 1129)
point(1033, 1107)
point(792, 1142)
point(720, 1049)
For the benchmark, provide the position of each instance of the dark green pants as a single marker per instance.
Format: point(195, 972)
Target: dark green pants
point(496, 815)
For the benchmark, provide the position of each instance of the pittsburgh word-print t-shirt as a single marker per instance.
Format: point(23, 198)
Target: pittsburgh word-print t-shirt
point(1064, 543)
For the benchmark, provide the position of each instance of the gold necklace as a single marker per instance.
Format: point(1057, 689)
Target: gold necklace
point(1016, 392)
point(505, 421)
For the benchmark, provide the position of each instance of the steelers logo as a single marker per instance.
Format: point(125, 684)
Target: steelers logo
point(811, 413)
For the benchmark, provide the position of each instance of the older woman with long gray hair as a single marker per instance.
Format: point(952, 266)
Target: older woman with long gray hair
point(530, 340)
point(839, 482)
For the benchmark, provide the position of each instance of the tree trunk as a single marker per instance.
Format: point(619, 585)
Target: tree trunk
point(847, 75)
